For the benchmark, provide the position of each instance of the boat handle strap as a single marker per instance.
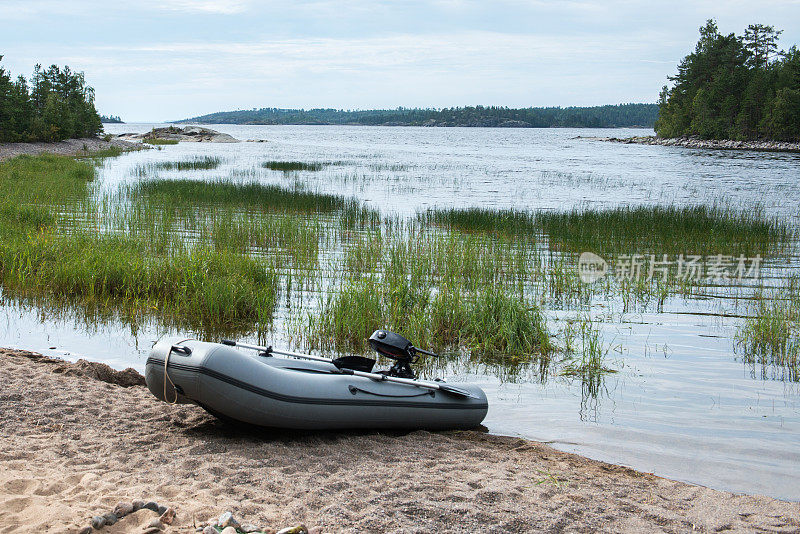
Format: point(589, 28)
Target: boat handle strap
point(354, 390)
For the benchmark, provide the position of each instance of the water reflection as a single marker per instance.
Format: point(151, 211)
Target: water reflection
point(682, 403)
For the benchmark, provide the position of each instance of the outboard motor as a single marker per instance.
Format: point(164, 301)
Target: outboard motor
point(399, 349)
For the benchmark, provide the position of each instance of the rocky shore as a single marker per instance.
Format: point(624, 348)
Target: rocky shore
point(85, 446)
point(190, 134)
point(694, 142)
point(69, 147)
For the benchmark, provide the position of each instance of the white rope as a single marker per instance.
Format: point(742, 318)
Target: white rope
point(166, 377)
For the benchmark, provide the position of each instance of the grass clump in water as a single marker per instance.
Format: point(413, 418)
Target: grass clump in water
point(771, 337)
point(293, 166)
point(239, 194)
point(494, 324)
point(484, 220)
point(703, 230)
point(195, 164)
point(699, 230)
point(590, 359)
point(40, 256)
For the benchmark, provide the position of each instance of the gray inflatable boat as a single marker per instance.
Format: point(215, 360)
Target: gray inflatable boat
point(301, 391)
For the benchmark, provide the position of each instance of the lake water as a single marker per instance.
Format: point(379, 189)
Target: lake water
point(683, 405)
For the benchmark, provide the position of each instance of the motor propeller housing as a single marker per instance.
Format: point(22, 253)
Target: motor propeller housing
point(398, 348)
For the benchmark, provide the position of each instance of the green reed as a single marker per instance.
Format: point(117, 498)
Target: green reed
point(771, 337)
point(700, 230)
point(293, 166)
point(240, 194)
point(193, 164)
point(42, 255)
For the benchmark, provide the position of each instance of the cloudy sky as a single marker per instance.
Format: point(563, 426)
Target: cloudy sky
point(156, 60)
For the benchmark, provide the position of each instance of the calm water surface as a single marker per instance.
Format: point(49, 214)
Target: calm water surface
point(683, 405)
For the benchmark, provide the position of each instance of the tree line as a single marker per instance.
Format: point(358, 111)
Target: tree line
point(734, 87)
point(111, 119)
point(55, 104)
point(621, 115)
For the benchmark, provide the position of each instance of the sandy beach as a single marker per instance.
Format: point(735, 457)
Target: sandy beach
point(76, 442)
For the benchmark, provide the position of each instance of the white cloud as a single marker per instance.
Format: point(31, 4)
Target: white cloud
point(222, 7)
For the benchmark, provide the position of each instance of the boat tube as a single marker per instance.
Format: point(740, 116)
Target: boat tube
point(309, 392)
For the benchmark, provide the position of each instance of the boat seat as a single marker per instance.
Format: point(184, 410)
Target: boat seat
point(355, 363)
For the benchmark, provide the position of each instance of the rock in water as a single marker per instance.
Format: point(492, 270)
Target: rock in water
point(193, 134)
point(227, 520)
point(168, 516)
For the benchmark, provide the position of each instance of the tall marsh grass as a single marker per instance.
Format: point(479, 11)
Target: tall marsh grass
point(41, 256)
point(240, 194)
point(292, 166)
point(771, 337)
point(194, 164)
point(700, 230)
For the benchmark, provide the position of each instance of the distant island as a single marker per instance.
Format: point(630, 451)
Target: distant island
point(611, 116)
point(111, 119)
point(735, 88)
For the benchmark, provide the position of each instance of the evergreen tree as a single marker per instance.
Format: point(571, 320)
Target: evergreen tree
point(762, 43)
point(733, 87)
point(56, 105)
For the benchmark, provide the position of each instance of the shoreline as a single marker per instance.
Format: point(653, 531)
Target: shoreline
point(81, 437)
point(709, 144)
point(69, 147)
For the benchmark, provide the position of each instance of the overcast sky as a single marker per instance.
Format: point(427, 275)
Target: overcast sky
point(156, 60)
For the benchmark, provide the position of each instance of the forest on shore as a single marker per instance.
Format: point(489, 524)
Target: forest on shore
point(622, 115)
point(55, 104)
point(111, 119)
point(734, 87)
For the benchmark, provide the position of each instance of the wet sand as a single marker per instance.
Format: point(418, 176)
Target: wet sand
point(74, 445)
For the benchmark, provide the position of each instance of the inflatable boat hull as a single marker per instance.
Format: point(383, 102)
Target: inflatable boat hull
point(299, 394)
